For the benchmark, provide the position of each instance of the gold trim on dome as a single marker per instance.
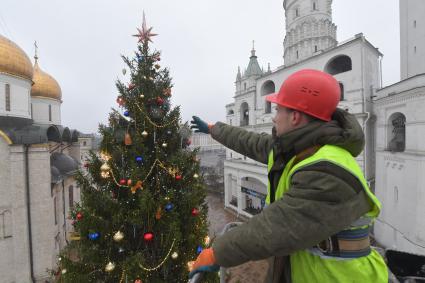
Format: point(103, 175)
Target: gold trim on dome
point(5, 137)
point(13, 60)
point(45, 85)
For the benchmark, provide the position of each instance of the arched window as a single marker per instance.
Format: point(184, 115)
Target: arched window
point(7, 91)
point(230, 112)
point(397, 132)
point(244, 112)
point(267, 88)
point(339, 64)
point(341, 86)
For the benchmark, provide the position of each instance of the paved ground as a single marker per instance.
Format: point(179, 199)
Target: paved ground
point(250, 272)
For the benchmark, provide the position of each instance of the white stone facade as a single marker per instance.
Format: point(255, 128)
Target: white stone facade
point(19, 93)
point(309, 29)
point(412, 38)
point(46, 111)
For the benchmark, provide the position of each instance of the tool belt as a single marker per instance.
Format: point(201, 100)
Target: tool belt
point(347, 244)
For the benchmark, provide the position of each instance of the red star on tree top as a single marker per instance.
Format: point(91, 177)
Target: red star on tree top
point(144, 34)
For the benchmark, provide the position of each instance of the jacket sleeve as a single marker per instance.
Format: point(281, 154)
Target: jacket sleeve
point(255, 146)
point(317, 206)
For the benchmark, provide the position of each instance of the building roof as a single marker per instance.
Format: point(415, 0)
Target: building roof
point(23, 131)
point(62, 165)
point(45, 85)
point(13, 60)
point(253, 66)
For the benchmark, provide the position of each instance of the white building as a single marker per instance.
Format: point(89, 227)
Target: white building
point(392, 117)
point(400, 147)
point(38, 160)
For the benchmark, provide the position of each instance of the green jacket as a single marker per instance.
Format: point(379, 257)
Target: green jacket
point(317, 205)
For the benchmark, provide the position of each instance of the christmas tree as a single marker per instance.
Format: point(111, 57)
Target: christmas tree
point(143, 212)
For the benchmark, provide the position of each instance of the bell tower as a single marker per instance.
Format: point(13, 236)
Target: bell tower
point(309, 29)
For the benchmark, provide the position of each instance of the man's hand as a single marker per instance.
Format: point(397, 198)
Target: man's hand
point(204, 263)
point(199, 125)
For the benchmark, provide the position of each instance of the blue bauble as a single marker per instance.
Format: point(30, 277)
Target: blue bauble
point(199, 249)
point(169, 207)
point(126, 113)
point(94, 236)
point(139, 159)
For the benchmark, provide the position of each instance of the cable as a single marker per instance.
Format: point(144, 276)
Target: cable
point(5, 28)
point(404, 236)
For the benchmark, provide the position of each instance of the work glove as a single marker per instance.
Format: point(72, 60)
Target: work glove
point(204, 263)
point(199, 125)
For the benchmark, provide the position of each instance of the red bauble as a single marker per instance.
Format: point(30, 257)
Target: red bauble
point(178, 177)
point(195, 211)
point(159, 100)
point(137, 281)
point(131, 86)
point(123, 182)
point(86, 165)
point(188, 142)
point(120, 101)
point(148, 236)
point(79, 216)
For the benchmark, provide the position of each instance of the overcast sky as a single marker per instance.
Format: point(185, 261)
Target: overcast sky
point(202, 42)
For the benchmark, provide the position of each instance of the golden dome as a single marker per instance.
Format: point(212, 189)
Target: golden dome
point(44, 84)
point(13, 60)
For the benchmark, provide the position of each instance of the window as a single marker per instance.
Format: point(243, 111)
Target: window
point(341, 86)
point(297, 12)
point(244, 114)
point(268, 88)
point(32, 117)
point(6, 224)
point(314, 5)
point(7, 90)
point(315, 48)
point(397, 132)
point(339, 64)
point(414, 23)
point(414, 49)
point(297, 54)
point(268, 107)
point(84, 143)
point(71, 197)
point(50, 113)
point(244, 86)
point(55, 210)
point(230, 122)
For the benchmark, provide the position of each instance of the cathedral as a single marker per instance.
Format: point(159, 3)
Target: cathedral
point(392, 117)
point(39, 158)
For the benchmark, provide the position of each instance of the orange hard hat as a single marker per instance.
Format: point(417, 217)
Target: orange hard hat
point(313, 92)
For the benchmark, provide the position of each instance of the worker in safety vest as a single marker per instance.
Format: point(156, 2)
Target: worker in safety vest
point(315, 227)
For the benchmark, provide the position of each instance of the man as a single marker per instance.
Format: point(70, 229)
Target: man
point(316, 225)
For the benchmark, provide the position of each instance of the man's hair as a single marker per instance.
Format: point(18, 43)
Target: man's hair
point(307, 116)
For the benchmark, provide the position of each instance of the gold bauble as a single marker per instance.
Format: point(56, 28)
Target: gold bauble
point(118, 236)
point(174, 255)
point(207, 240)
point(63, 271)
point(105, 174)
point(196, 176)
point(105, 167)
point(164, 145)
point(110, 267)
point(142, 95)
point(144, 134)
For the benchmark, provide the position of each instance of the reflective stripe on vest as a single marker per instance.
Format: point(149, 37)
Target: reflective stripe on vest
point(313, 266)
